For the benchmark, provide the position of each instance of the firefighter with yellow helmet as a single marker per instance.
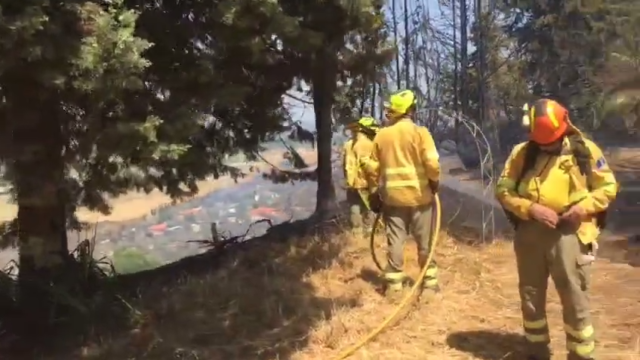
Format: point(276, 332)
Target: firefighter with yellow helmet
point(359, 185)
point(406, 161)
point(555, 189)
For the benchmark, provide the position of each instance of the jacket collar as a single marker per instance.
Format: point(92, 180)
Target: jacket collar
point(403, 120)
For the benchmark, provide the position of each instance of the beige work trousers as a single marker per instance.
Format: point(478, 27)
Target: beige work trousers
point(360, 217)
point(542, 252)
point(401, 222)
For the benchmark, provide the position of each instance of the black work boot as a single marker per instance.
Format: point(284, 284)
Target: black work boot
point(430, 287)
point(429, 291)
point(538, 352)
point(572, 356)
point(395, 284)
point(540, 356)
point(394, 292)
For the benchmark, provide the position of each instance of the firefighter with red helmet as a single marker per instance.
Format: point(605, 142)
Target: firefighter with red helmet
point(555, 189)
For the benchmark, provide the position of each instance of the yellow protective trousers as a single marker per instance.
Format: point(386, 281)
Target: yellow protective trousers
point(542, 252)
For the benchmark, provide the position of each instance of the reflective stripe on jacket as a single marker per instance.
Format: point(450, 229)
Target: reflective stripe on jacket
point(354, 175)
point(556, 182)
point(404, 158)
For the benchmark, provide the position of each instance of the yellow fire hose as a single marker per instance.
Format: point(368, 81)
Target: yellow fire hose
point(435, 233)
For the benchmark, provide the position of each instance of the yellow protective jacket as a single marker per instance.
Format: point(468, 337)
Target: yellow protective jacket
point(405, 159)
point(555, 181)
point(353, 151)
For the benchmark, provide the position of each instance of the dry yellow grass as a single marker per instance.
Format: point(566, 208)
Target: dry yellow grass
point(134, 205)
point(307, 299)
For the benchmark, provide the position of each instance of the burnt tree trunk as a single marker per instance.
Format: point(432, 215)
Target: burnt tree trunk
point(324, 86)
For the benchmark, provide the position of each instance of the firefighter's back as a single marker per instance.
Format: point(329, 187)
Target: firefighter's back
point(401, 165)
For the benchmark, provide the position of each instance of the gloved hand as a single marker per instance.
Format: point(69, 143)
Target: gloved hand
point(375, 202)
point(434, 186)
point(544, 215)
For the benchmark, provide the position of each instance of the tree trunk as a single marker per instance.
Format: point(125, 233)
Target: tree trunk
point(407, 46)
point(464, 58)
point(363, 99)
point(481, 62)
point(38, 164)
point(456, 74)
point(373, 98)
point(395, 41)
point(324, 86)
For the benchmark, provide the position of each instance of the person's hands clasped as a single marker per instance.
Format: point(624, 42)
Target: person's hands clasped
point(544, 215)
point(575, 215)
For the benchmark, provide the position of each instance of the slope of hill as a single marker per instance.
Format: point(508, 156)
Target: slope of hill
point(135, 205)
point(307, 298)
point(149, 224)
point(284, 296)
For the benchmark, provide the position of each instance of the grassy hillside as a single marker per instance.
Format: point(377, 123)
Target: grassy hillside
point(306, 299)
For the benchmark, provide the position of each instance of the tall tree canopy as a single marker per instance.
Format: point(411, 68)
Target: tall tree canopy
point(65, 73)
point(102, 98)
point(565, 46)
point(99, 98)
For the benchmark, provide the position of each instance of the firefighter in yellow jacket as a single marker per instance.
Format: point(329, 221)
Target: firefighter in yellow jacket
point(556, 188)
point(405, 159)
point(359, 184)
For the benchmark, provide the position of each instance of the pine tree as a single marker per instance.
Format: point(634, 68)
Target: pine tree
point(564, 44)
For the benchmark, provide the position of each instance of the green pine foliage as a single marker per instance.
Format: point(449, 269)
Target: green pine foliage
point(98, 98)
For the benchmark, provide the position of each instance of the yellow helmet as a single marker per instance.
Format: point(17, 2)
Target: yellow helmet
point(367, 122)
point(400, 102)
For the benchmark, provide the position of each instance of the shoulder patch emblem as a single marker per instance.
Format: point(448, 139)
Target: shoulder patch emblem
point(601, 163)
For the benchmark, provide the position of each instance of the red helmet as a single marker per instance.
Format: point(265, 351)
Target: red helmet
point(548, 121)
